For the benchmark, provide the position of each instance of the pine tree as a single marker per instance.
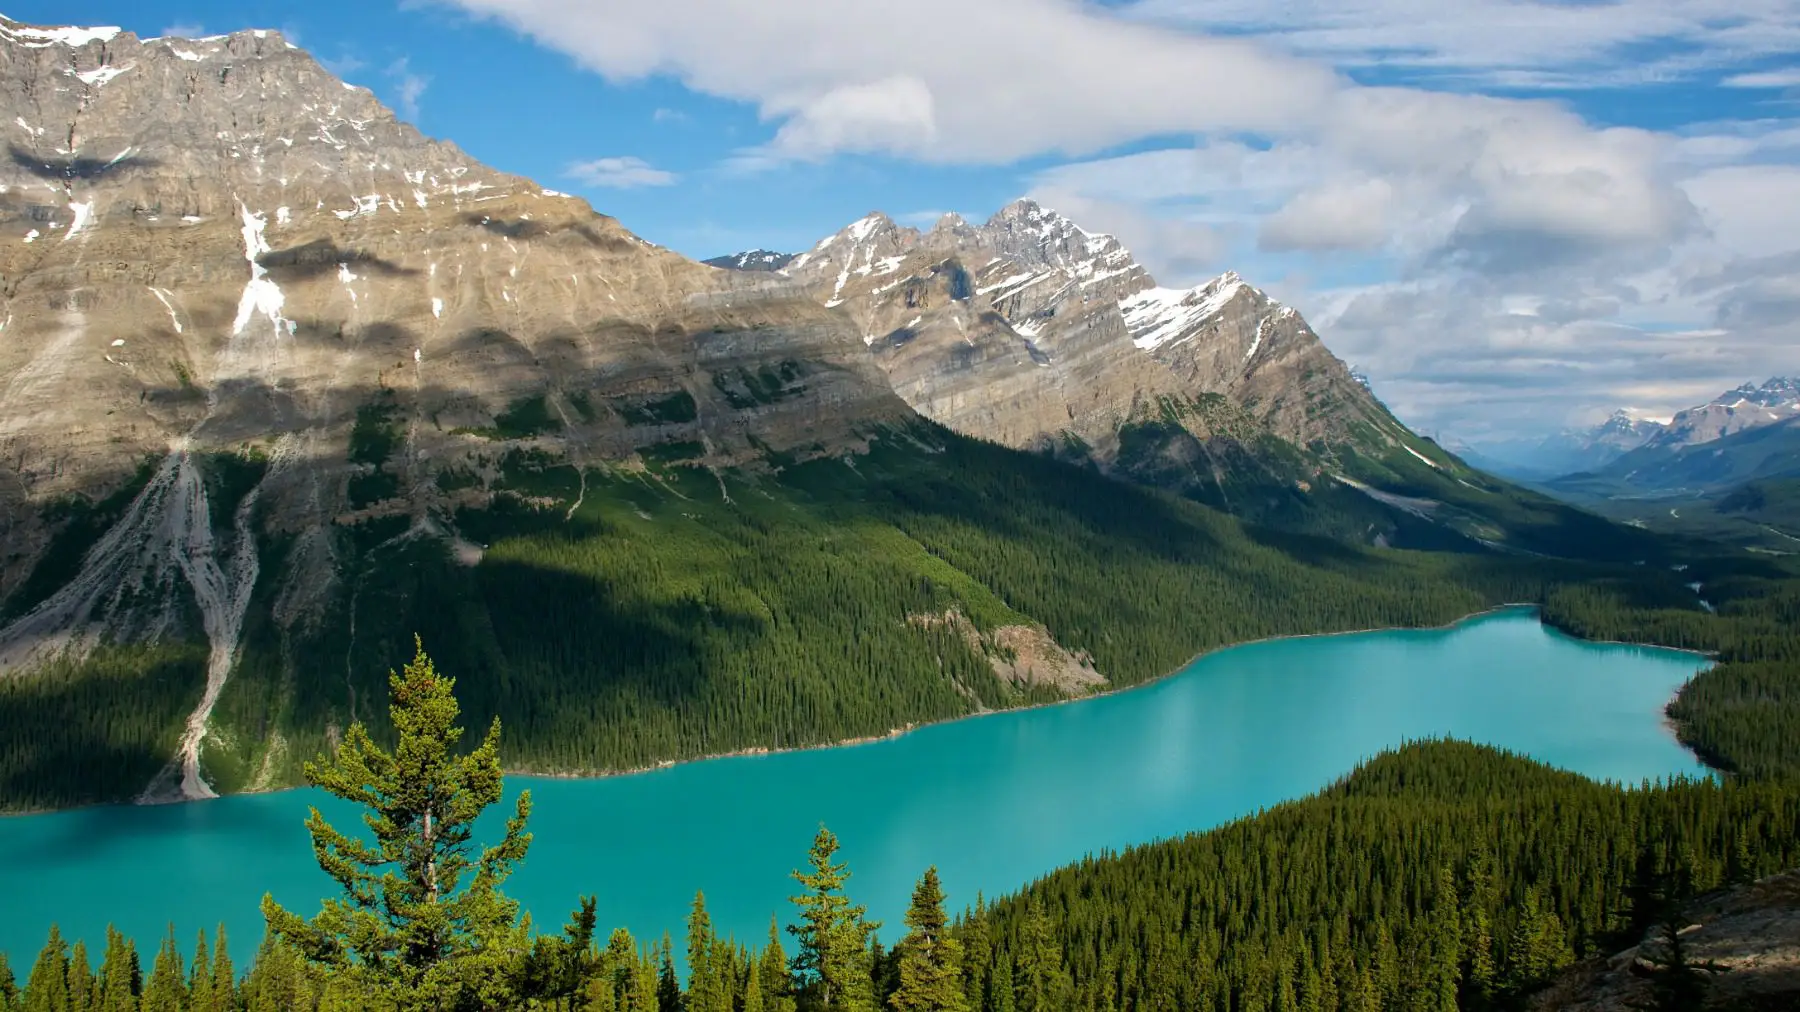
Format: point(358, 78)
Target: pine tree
point(1444, 947)
point(166, 990)
point(1677, 983)
point(753, 989)
point(47, 988)
point(224, 977)
point(9, 987)
point(84, 989)
point(831, 959)
point(930, 955)
point(200, 984)
point(1038, 978)
point(706, 990)
point(668, 988)
point(1538, 947)
point(644, 984)
point(774, 973)
point(422, 918)
point(1001, 995)
point(120, 978)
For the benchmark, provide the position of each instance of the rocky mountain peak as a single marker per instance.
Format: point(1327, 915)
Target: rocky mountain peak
point(215, 250)
point(1748, 406)
point(752, 260)
point(1031, 235)
point(1775, 392)
point(1029, 324)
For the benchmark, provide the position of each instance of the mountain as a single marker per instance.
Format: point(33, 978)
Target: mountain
point(1030, 331)
point(1746, 434)
point(752, 260)
point(1565, 452)
point(252, 321)
point(284, 382)
point(1747, 407)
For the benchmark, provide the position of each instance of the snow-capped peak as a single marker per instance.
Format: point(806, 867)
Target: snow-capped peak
point(38, 38)
point(861, 230)
point(1157, 316)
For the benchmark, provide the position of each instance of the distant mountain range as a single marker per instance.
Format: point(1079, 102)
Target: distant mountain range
point(1579, 451)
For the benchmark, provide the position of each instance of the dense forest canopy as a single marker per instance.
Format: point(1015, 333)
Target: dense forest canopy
point(618, 619)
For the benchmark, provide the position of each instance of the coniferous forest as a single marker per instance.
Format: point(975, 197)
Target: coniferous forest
point(620, 619)
point(1440, 876)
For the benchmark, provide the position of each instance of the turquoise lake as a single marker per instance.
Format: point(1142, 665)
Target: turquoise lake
point(994, 802)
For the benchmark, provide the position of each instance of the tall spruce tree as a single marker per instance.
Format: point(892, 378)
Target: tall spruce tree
point(120, 977)
point(668, 988)
point(930, 956)
point(707, 990)
point(84, 989)
point(422, 922)
point(776, 984)
point(830, 968)
point(224, 978)
point(47, 987)
point(166, 990)
point(200, 989)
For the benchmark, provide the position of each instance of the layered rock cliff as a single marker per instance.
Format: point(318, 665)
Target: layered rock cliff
point(1033, 332)
point(245, 294)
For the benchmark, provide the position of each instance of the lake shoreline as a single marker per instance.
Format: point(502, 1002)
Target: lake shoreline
point(899, 732)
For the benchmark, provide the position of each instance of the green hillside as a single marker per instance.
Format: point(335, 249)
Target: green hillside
point(634, 615)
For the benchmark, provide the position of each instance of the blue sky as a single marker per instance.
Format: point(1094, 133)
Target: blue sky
point(1513, 215)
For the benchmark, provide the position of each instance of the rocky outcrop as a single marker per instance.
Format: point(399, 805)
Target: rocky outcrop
point(1031, 331)
point(1749, 935)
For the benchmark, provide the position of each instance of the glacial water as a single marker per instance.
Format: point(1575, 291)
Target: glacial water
point(993, 801)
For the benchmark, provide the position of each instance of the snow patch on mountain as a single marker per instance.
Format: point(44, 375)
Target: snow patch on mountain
point(1158, 316)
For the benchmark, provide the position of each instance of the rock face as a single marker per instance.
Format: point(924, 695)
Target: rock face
point(1033, 332)
point(1747, 407)
point(1750, 933)
point(215, 251)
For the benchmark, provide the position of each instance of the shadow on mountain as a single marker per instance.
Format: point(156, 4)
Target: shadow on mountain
point(67, 167)
point(96, 730)
point(322, 256)
point(507, 228)
point(526, 228)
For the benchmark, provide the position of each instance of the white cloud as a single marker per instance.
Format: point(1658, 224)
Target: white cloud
point(1530, 264)
point(667, 115)
point(1341, 215)
point(184, 30)
point(619, 173)
point(1011, 78)
point(409, 87)
point(1512, 43)
point(1789, 78)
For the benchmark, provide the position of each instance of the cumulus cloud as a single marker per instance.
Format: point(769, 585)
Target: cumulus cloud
point(1509, 258)
point(624, 173)
point(951, 81)
point(1339, 215)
